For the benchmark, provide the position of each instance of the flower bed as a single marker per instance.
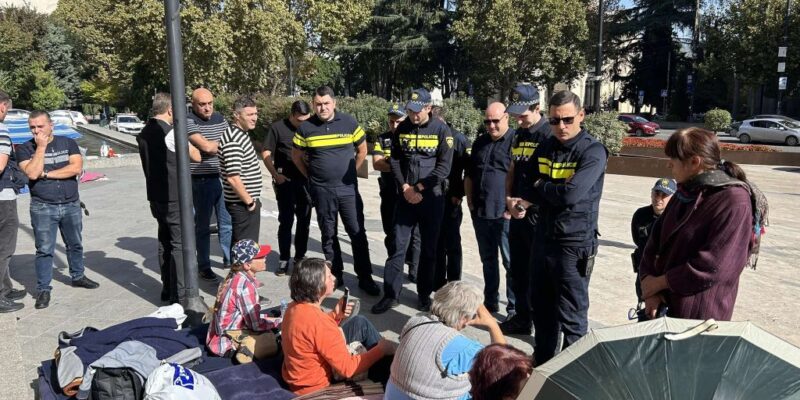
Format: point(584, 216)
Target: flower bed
point(659, 144)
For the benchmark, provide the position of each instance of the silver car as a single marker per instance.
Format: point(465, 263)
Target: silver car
point(769, 130)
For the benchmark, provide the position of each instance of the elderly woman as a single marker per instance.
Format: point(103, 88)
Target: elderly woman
point(707, 234)
point(434, 358)
point(315, 347)
point(236, 306)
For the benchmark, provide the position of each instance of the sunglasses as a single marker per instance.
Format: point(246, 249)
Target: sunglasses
point(565, 120)
point(488, 122)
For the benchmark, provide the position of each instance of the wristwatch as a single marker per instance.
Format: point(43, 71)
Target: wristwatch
point(44, 175)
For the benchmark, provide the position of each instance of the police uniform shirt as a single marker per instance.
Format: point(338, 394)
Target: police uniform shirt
point(383, 147)
point(422, 154)
point(525, 143)
point(461, 151)
point(569, 192)
point(279, 143)
point(488, 168)
point(330, 147)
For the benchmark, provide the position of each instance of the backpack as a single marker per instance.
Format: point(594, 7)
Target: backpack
point(13, 177)
point(116, 384)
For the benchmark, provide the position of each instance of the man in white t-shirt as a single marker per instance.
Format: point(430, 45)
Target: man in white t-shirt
point(9, 221)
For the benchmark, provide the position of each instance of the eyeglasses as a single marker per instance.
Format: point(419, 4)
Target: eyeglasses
point(488, 122)
point(565, 120)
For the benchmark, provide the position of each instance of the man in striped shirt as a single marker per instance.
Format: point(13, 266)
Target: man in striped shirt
point(9, 221)
point(241, 171)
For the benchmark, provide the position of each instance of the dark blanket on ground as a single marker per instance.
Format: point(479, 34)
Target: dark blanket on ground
point(257, 380)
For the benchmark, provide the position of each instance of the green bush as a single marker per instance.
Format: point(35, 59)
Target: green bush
point(370, 112)
point(463, 116)
point(607, 129)
point(717, 120)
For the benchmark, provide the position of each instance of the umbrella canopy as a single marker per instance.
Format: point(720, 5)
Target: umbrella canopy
point(648, 360)
point(20, 133)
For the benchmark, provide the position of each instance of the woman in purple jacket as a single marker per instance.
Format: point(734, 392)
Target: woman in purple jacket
point(709, 231)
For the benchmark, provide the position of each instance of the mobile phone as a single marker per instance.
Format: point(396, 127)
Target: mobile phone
point(346, 296)
point(519, 207)
point(586, 266)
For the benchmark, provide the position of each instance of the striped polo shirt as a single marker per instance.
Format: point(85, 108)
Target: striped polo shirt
point(237, 156)
point(330, 148)
point(5, 148)
point(211, 129)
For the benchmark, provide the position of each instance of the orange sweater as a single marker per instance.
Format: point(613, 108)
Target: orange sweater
point(314, 348)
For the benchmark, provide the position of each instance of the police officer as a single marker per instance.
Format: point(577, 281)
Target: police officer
point(448, 250)
point(323, 151)
point(291, 187)
point(533, 129)
point(422, 149)
point(644, 219)
point(567, 187)
point(389, 192)
point(485, 187)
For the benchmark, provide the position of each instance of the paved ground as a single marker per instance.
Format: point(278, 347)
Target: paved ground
point(119, 238)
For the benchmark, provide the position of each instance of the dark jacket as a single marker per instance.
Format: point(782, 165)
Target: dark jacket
point(702, 247)
point(422, 154)
point(461, 150)
point(570, 177)
point(641, 227)
point(159, 164)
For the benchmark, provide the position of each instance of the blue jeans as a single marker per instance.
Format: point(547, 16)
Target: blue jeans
point(47, 220)
point(207, 193)
point(492, 234)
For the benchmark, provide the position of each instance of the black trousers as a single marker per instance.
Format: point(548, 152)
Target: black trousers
point(520, 241)
point(448, 253)
point(344, 201)
point(9, 223)
point(170, 249)
point(246, 224)
point(427, 215)
point(294, 202)
point(389, 197)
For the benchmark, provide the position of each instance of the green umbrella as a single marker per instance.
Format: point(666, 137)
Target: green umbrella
point(670, 358)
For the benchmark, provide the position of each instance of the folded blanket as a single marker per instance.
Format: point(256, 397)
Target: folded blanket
point(260, 379)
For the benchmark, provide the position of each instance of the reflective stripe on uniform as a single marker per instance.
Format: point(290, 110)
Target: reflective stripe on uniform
point(557, 170)
point(387, 152)
point(524, 150)
point(420, 141)
point(335, 139)
point(298, 140)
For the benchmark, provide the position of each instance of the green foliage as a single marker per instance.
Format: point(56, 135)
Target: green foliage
point(44, 93)
point(370, 112)
point(321, 71)
point(98, 91)
point(463, 116)
point(331, 23)
point(717, 120)
point(608, 130)
point(59, 54)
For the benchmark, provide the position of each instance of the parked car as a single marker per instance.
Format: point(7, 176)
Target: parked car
point(126, 123)
point(16, 113)
point(769, 130)
point(639, 126)
point(79, 118)
point(736, 124)
point(61, 117)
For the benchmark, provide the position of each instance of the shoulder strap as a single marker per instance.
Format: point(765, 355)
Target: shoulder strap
point(417, 326)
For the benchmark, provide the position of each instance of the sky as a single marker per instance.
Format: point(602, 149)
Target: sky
point(45, 6)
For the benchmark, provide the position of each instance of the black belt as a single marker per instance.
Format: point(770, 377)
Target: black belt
point(206, 176)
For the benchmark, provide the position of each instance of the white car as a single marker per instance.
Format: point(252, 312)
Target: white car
point(78, 117)
point(16, 113)
point(768, 130)
point(126, 123)
point(61, 117)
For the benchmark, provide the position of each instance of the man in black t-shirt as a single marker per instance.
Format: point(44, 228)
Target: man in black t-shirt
point(160, 166)
point(53, 164)
point(644, 218)
point(323, 151)
point(291, 187)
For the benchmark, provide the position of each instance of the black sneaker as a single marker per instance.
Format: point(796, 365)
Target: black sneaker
point(424, 306)
point(283, 268)
point(493, 308)
point(85, 283)
point(515, 326)
point(42, 300)
point(209, 276)
point(369, 287)
point(9, 306)
point(412, 278)
point(385, 305)
point(15, 294)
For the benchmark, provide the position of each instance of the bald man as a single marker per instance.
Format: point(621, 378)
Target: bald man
point(205, 127)
point(485, 189)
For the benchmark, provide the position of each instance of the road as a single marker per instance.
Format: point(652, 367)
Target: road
point(725, 138)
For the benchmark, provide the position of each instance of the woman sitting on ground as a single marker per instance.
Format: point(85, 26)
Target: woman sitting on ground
point(499, 372)
point(707, 234)
point(315, 347)
point(433, 358)
point(236, 307)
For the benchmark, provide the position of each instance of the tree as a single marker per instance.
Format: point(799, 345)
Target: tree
point(330, 23)
point(59, 53)
point(540, 41)
point(44, 93)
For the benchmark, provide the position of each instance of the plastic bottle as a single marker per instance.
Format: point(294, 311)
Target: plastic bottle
point(104, 149)
point(284, 306)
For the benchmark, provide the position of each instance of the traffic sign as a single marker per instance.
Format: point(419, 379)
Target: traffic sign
point(663, 92)
point(782, 83)
point(781, 67)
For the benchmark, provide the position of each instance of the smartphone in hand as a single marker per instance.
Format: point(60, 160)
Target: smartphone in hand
point(346, 297)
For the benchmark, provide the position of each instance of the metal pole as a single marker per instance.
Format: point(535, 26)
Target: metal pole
point(190, 298)
point(785, 42)
point(598, 66)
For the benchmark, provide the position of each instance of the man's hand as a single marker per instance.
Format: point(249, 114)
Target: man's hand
point(411, 195)
point(341, 310)
point(280, 179)
point(41, 141)
point(653, 285)
point(253, 206)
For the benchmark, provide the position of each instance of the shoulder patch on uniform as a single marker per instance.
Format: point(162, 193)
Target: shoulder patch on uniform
point(449, 141)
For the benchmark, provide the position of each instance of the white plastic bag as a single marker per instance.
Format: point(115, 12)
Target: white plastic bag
point(174, 382)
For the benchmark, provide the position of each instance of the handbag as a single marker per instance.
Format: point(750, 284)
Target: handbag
point(251, 345)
